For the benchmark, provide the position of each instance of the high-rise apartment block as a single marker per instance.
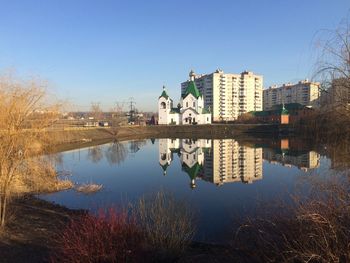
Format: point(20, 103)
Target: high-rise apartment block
point(228, 95)
point(305, 92)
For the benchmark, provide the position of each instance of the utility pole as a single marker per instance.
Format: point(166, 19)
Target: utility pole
point(132, 104)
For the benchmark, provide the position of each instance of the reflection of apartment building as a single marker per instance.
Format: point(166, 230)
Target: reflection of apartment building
point(304, 161)
point(216, 161)
point(228, 95)
point(304, 92)
point(233, 162)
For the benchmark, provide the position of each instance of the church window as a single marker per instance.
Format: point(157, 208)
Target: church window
point(163, 105)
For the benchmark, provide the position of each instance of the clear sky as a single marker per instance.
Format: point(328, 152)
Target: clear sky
point(107, 51)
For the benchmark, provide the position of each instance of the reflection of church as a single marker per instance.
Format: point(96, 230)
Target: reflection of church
point(215, 161)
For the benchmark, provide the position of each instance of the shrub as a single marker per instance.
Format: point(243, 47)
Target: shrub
point(168, 223)
point(314, 228)
point(159, 227)
point(109, 236)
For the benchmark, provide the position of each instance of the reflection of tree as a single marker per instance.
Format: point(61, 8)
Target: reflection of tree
point(135, 146)
point(116, 153)
point(56, 158)
point(95, 154)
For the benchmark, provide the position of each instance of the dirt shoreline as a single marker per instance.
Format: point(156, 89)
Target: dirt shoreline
point(79, 138)
point(30, 234)
point(32, 225)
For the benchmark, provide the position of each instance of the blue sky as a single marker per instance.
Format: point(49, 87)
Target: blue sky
point(107, 51)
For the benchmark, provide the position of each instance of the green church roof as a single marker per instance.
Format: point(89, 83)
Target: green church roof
point(193, 171)
point(192, 89)
point(284, 111)
point(165, 166)
point(164, 94)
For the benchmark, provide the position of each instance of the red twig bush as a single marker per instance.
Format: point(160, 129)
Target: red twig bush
point(109, 236)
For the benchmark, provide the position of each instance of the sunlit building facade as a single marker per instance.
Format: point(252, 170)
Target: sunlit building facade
point(228, 95)
point(305, 92)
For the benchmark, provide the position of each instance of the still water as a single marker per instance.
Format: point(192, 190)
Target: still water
point(222, 180)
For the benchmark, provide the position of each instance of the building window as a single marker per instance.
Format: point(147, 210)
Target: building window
point(186, 104)
point(163, 105)
point(194, 104)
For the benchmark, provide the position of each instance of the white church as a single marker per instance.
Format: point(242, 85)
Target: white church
point(190, 110)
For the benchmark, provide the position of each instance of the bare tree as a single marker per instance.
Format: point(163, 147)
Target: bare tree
point(25, 116)
point(117, 118)
point(96, 111)
point(333, 67)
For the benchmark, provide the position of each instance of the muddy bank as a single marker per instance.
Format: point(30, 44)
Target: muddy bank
point(72, 139)
point(31, 228)
point(34, 224)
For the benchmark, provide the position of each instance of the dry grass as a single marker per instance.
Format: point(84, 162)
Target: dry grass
point(314, 228)
point(88, 188)
point(157, 229)
point(168, 223)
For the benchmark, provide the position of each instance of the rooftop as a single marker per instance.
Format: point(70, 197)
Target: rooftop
point(192, 89)
point(164, 94)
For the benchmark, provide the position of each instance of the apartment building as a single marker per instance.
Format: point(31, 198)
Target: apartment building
point(228, 95)
point(305, 92)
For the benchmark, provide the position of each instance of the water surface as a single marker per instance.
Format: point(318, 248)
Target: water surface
point(222, 180)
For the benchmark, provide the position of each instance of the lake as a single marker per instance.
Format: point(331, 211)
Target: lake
point(223, 180)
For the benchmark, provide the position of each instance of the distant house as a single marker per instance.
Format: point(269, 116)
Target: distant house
point(190, 110)
point(103, 123)
point(91, 124)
